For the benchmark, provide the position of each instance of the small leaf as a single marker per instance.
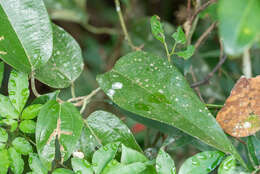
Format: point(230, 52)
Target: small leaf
point(164, 163)
point(187, 53)
point(157, 28)
point(81, 166)
point(18, 89)
point(27, 126)
point(17, 163)
point(46, 97)
point(3, 135)
point(202, 163)
point(7, 110)
point(62, 171)
point(103, 156)
point(109, 128)
point(130, 156)
point(179, 36)
point(2, 68)
point(36, 164)
point(22, 146)
point(239, 25)
point(26, 34)
point(65, 64)
point(12, 123)
point(31, 111)
point(229, 166)
point(4, 162)
point(62, 121)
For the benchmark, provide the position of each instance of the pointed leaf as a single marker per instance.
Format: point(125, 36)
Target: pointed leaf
point(17, 163)
point(27, 126)
point(81, 166)
point(31, 111)
point(103, 156)
point(157, 28)
point(4, 162)
point(164, 163)
point(202, 163)
point(18, 89)
point(130, 156)
point(65, 64)
point(22, 146)
point(36, 164)
point(187, 53)
point(179, 36)
point(57, 120)
point(109, 128)
point(153, 88)
point(7, 110)
point(229, 166)
point(239, 24)
point(26, 34)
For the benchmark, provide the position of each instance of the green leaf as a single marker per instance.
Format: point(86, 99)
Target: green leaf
point(103, 156)
point(4, 162)
point(36, 164)
point(27, 126)
point(164, 163)
point(3, 135)
point(65, 64)
point(157, 28)
point(7, 110)
point(66, 10)
point(17, 163)
point(62, 171)
point(229, 166)
point(22, 146)
point(26, 34)
point(202, 163)
point(179, 36)
point(46, 97)
point(2, 68)
point(31, 111)
point(130, 156)
point(115, 167)
point(81, 166)
point(154, 89)
point(12, 123)
point(109, 128)
point(57, 120)
point(238, 24)
point(18, 89)
point(187, 53)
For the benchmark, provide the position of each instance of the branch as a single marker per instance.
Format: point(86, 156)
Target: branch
point(205, 34)
point(35, 92)
point(100, 30)
point(206, 80)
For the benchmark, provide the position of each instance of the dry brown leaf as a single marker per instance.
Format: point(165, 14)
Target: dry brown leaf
point(240, 116)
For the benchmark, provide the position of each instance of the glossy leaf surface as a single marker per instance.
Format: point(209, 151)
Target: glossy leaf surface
point(31, 111)
point(229, 166)
point(27, 126)
point(22, 146)
point(26, 34)
point(65, 64)
point(17, 163)
point(36, 164)
point(164, 163)
point(7, 110)
point(4, 162)
point(81, 166)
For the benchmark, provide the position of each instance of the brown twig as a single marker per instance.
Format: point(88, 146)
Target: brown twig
point(205, 34)
point(206, 80)
point(201, 8)
point(194, 80)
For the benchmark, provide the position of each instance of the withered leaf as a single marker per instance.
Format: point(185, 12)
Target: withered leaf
point(240, 116)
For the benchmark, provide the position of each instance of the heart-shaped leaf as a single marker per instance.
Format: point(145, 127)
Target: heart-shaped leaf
point(151, 87)
point(26, 34)
point(65, 64)
point(62, 121)
point(240, 115)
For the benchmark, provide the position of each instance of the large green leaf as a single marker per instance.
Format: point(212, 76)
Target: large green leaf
point(164, 163)
point(7, 110)
point(149, 86)
point(18, 89)
point(4, 162)
point(109, 128)
point(65, 64)
point(239, 24)
point(67, 10)
point(103, 156)
point(202, 163)
point(17, 163)
point(26, 34)
point(57, 120)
